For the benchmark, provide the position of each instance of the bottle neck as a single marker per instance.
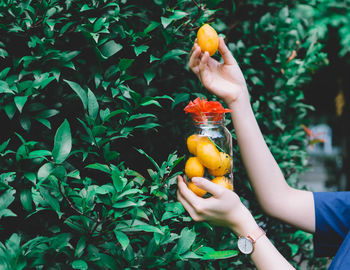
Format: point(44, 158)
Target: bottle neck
point(214, 119)
point(206, 122)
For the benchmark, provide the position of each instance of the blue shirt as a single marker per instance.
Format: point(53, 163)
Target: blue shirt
point(332, 237)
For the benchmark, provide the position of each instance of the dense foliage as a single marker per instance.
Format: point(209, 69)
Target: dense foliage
point(91, 103)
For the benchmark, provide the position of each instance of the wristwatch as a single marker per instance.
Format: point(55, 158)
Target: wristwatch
point(246, 243)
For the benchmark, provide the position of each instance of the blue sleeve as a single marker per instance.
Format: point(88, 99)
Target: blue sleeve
point(332, 217)
point(341, 260)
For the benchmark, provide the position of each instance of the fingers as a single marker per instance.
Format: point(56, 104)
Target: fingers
point(193, 47)
point(190, 210)
point(194, 56)
point(185, 192)
point(209, 186)
point(225, 53)
point(203, 64)
point(182, 196)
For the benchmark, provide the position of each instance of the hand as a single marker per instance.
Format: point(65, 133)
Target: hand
point(224, 80)
point(223, 208)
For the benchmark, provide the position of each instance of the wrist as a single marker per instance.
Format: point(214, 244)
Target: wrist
point(246, 223)
point(241, 100)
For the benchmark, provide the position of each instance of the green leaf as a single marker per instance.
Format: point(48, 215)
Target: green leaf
point(153, 58)
point(20, 101)
point(149, 75)
point(100, 167)
point(4, 145)
point(52, 201)
point(79, 250)
point(119, 181)
point(141, 115)
point(124, 204)
point(175, 53)
point(7, 198)
point(80, 264)
point(151, 159)
point(140, 49)
point(44, 171)
point(63, 143)
point(4, 72)
point(4, 88)
point(122, 238)
point(92, 105)
point(124, 63)
point(39, 154)
point(165, 21)
point(181, 97)
point(110, 48)
point(186, 240)
point(146, 228)
point(79, 91)
point(105, 189)
point(294, 248)
point(10, 110)
point(153, 25)
point(216, 255)
point(26, 199)
point(146, 126)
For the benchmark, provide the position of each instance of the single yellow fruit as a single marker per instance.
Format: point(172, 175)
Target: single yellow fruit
point(196, 190)
point(223, 181)
point(208, 154)
point(193, 168)
point(208, 39)
point(192, 142)
point(224, 167)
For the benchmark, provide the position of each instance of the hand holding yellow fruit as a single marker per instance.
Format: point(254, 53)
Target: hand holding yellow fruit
point(208, 39)
point(196, 190)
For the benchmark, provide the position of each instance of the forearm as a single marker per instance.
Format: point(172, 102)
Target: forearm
point(272, 191)
point(263, 171)
point(265, 255)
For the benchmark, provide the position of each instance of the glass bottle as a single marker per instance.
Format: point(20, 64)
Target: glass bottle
point(209, 145)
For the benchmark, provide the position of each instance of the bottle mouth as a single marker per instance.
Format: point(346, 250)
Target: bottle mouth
point(208, 118)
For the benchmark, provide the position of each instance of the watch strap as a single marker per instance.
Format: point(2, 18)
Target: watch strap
point(256, 234)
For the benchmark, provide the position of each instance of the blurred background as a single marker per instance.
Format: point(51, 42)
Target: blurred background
point(328, 93)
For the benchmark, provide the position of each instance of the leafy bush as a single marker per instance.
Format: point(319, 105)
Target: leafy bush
point(92, 96)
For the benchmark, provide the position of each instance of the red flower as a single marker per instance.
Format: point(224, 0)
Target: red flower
point(203, 110)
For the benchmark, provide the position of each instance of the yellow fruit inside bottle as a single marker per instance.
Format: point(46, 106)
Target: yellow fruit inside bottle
point(208, 154)
point(194, 167)
point(196, 190)
point(208, 39)
point(224, 167)
point(192, 142)
point(223, 181)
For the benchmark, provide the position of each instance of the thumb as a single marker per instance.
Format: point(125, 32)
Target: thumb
point(209, 186)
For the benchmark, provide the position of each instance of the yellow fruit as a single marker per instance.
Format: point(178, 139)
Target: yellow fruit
point(196, 190)
point(193, 168)
point(192, 142)
point(223, 181)
point(208, 154)
point(224, 167)
point(208, 39)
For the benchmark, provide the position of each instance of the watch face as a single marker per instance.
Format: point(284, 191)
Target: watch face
point(245, 245)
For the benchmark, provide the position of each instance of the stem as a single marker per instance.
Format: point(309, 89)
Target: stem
point(210, 139)
point(73, 206)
